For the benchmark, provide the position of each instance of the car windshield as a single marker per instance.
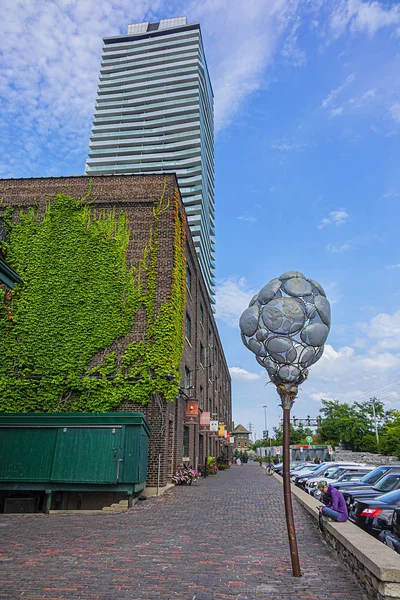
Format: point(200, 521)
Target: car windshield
point(374, 475)
point(391, 498)
point(354, 476)
point(387, 483)
point(329, 472)
point(321, 469)
point(338, 471)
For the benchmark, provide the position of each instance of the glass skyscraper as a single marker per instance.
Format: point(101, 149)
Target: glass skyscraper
point(154, 114)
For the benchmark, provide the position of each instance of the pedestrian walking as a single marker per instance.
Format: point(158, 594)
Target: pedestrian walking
point(238, 461)
point(337, 508)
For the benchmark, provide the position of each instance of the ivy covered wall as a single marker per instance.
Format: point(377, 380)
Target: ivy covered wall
point(80, 296)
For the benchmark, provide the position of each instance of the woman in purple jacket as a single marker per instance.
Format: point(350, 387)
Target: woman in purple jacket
point(336, 509)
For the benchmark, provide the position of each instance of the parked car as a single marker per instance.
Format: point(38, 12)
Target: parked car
point(293, 466)
point(311, 472)
point(304, 469)
point(367, 481)
point(388, 483)
point(348, 475)
point(323, 472)
point(311, 483)
point(375, 515)
point(392, 538)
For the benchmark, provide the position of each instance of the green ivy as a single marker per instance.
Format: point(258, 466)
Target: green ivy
point(78, 298)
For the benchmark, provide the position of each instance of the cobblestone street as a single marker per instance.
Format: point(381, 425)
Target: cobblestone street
point(222, 538)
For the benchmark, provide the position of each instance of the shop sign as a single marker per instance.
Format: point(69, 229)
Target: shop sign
point(191, 419)
point(221, 430)
point(192, 412)
point(213, 428)
point(205, 422)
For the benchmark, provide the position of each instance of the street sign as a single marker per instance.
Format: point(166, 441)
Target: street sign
point(265, 434)
point(277, 450)
point(330, 450)
point(309, 439)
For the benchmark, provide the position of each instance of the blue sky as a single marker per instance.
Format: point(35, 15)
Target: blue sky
point(307, 114)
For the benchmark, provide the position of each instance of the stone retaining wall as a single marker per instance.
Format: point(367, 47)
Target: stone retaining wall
point(375, 566)
point(365, 457)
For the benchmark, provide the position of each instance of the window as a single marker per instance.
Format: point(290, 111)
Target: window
point(201, 313)
point(188, 278)
point(188, 380)
point(188, 328)
point(201, 397)
point(185, 441)
point(204, 354)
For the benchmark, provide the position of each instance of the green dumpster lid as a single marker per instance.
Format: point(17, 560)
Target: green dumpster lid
point(53, 419)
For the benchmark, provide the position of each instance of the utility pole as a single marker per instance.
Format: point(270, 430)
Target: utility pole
point(373, 400)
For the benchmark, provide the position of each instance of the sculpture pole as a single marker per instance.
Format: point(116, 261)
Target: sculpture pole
point(287, 399)
point(286, 326)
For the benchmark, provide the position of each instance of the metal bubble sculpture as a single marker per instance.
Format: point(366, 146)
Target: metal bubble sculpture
point(286, 326)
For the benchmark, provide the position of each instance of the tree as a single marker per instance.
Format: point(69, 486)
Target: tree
point(354, 425)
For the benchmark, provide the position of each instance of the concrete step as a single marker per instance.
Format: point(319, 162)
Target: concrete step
point(120, 507)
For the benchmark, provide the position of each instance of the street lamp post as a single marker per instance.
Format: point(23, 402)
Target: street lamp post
point(286, 326)
point(268, 434)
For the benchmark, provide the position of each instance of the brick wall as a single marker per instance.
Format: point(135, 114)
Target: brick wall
point(136, 195)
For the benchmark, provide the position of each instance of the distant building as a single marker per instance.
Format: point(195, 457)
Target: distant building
point(204, 374)
point(154, 114)
point(242, 438)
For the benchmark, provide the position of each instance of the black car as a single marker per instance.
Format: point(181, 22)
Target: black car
point(388, 483)
point(392, 538)
point(368, 480)
point(375, 515)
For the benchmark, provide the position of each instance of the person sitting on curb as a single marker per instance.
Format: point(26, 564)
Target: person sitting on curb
point(336, 509)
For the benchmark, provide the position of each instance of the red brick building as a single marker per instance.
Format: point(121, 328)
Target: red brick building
point(204, 372)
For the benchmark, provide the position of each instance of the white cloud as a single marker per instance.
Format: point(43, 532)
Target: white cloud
point(288, 146)
point(252, 32)
point(347, 375)
point(335, 112)
point(328, 101)
point(384, 328)
point(393, 266)
point(363, 16)
point(354, 243)
point(336, 217)
point(370, 367)
point(391, 194)
point(395, 112)
point(51, 59)
point(248, 219)
point(340, 247)
point(232, 298)
point(240, 374)
point(353, 103)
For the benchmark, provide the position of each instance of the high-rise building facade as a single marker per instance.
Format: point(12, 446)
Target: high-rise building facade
point(154, 114)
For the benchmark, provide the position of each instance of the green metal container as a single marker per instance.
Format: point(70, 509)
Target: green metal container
point(73, 451)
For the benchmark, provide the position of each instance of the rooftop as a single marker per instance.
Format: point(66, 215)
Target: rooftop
point(145, 26)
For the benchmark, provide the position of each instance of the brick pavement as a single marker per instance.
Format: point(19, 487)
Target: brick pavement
point(221, 539)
